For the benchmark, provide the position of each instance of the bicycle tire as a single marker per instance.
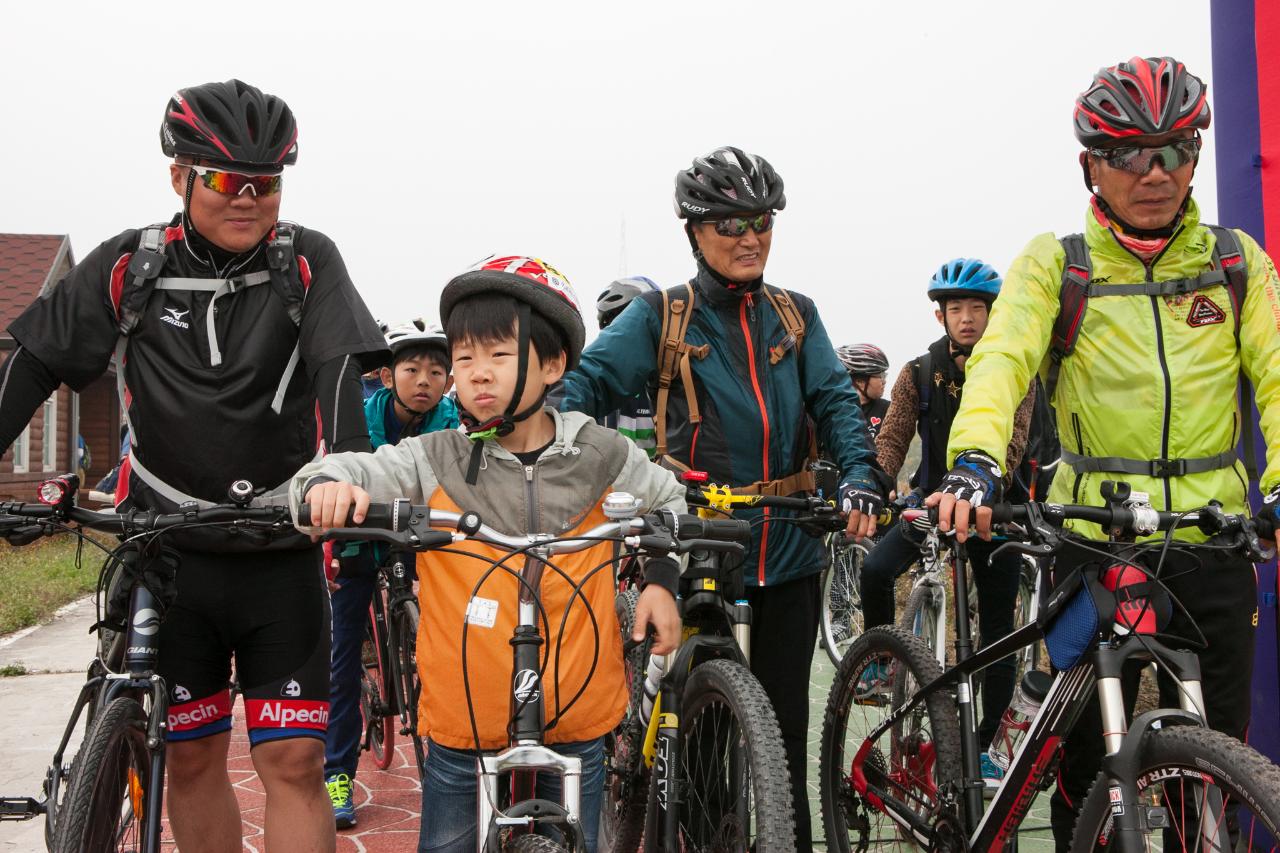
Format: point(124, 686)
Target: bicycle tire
point(841, 597)
point(110, 776)
point(622, 810)
point(410, 687)
point(730, 686)
point(380, 727)
point(1189, 752)
point(1029, 657)
point(906, 660)
point(920, 617)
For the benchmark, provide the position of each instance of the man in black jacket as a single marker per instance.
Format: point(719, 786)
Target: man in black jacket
point(226, 328)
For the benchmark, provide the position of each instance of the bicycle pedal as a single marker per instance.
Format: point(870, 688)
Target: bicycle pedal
point(20, 808)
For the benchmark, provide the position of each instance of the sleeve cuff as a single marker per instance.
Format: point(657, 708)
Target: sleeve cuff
point(663, 572)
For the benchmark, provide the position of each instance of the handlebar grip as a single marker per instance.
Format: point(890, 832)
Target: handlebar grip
point(722, 529)
point(376, 516)
point(1002, 513)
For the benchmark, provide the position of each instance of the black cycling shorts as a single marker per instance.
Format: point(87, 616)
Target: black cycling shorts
point(271, 611)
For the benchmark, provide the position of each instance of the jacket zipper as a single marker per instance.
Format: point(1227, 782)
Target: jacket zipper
point(1075, 489)
point(693, 447)
point(531, 495)
point(1166, 415)
point(764, 420)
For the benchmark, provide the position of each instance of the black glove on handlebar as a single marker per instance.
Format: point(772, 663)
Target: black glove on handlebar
point(1267, 518)
point(975, 478)
point(862, 499)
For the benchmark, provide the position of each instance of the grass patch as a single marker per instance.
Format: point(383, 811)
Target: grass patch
point(37, 579)
point(10, 670)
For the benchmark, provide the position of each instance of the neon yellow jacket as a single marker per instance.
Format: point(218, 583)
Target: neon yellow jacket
point(1142, 383)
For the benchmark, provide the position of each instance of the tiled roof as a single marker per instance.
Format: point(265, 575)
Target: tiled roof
point(25, 263)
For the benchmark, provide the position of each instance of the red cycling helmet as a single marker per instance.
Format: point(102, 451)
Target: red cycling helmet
point(1141, 97)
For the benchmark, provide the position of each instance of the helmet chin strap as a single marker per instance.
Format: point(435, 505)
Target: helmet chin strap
point(505, 423)
point(1161, 233)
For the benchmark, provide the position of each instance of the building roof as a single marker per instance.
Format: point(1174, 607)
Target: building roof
point(29, 264)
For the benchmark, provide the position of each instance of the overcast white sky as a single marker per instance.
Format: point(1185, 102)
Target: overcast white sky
point(431, 135)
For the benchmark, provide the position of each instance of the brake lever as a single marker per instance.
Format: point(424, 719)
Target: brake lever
point(688, 545)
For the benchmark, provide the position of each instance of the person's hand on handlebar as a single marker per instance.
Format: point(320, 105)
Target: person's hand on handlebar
point(862, 505)
point(965, 495)
point(657, 607)
point(1267, 518)
point(333, 502)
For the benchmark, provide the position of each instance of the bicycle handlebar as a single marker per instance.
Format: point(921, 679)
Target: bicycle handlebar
point(410, 526)
point(22, 523)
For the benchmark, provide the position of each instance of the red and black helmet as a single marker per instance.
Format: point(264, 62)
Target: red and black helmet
point(230, 123)
point(1141, 97)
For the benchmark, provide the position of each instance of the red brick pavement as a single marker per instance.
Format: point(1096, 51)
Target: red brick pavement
point(387, 801)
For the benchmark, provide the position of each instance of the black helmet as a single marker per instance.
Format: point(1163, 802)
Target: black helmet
point(618, 295)
point(727, 182)
point(231, 123)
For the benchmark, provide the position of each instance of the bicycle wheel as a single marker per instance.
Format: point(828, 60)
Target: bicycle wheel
point(379, 726)
point(922, 617)
point(410, 688)
point(909, 762)
point(735, 788)
point(1206, 791)
point(842, 620)
point(106, 797)
point(626, 782)
point(1023, 613)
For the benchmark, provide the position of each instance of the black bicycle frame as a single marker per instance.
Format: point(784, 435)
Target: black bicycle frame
point(705, 600)
point(1032, 766)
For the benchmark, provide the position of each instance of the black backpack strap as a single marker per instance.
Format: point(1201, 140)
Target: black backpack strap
point(286, 278)
point(1073, 299)
point(144, 269)
point(924, 392)
point(1229, 257)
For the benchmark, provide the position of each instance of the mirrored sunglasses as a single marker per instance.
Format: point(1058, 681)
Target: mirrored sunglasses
point(1141, 159)
point(235, 183)
point(738, 225)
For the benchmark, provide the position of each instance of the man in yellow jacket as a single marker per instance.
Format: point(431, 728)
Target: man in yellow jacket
point(1147, 392)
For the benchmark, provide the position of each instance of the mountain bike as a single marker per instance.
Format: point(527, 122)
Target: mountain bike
point(898, 767)
point(389, 686)
point(697, 763)
point(925, 612)
point(111, 796)
point(508, 811)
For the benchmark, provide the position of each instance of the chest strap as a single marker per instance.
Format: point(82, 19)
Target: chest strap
point(1161, 468)
point(221, 287)
point(1173, 287)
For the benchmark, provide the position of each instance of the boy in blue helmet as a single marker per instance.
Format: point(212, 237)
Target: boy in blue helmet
point(925, 399)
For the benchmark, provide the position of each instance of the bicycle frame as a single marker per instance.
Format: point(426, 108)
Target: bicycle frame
point(527, 755)
point(1037, 750)
point(662, 747)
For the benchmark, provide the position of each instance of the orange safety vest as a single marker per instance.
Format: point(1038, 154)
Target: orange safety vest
point(445, 589)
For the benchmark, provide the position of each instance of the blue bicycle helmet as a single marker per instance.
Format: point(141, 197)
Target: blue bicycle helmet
point(965, 277)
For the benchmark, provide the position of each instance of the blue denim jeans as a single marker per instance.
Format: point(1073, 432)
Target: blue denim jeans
point(350, 603)
point(449, 795)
